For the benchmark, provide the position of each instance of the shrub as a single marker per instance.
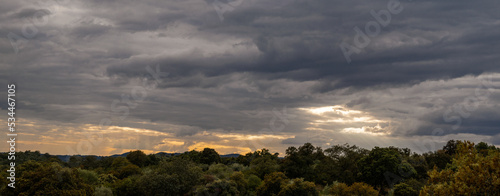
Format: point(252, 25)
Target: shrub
point(103, 191)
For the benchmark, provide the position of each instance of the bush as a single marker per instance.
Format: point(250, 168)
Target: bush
point(338, 189)
point(160, 184)
point(107, 179)
point(103, 191)
point(471, 173)
point(403, 189)
point(128, 170)
point(272, 184)
point(358, 189)
point(241, 183)
point(362, 189)
point(299, 187)
point(218, 187)
point(88, 177)
point(127, 186)
point(138, 158)
point(220, 171)
point(253, 182)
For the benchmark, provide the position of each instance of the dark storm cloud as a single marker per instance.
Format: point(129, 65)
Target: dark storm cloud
point(30, 13)
point(303, 37)
point(88, 28)
point(262, 56)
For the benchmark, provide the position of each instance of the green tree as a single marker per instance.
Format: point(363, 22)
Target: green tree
point(337, 189)
point(218, 187)
point(103, 191)
point(107, 179)
point(128, 187)
point(264, 165)
point(344, 164)
point(299, 187)
point(128, 170)
point(3, 181)
point(483, 148)
point(89, 162)
point(272, 184)
point(174, 177)
point(362, 189)
point(42, 178)
point(220, 171)
point(299, 163)
point(356, 189)
point(437, 159)
point(138, 158)
point(152, 160)
point(209, 156)
point(75, 161)
point(377, 165)
point(451, 147)
point(160, 184)
point(253, 182)
point(119, 162)
point(470, 173)
point(403, 189)
point(241, 183)
point(88, 177)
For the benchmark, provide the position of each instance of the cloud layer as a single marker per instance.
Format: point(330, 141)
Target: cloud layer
point(270, 74)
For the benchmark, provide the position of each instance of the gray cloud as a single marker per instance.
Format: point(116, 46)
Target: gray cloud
point(262, 56)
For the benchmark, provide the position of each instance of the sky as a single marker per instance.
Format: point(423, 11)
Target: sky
point(107, 77)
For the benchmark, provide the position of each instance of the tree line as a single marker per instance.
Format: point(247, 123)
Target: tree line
point(459, 168)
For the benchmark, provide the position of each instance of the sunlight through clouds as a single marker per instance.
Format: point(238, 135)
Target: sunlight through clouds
point(341, 116)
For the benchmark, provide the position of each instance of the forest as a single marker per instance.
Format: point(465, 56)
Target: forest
point(459, 168)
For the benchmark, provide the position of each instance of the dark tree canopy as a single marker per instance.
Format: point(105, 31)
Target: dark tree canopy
point(458, 168)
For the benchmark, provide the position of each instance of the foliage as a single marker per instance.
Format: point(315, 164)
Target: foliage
point(185, 172)
point(337, 189)
point(451, 147)
point(160, 184)
point(299, 163)
point(263, 165)
point(138, 158)
point(220, 171)
point(48, 179)
point(438, 159)
point(403, 189)
point(128, 170)
point(379, 162)
point(356, 189)
point(458, 168)
point(272, 184)
point(107, 179)
point(241, 183)
point(209, 156)
point(344, 165)
point(362, 189)
point(103, 191)
point(298, 187)
point(471, 173)
point(127, 187)
point(253, 182)
point(88, 177)
point(218, 187)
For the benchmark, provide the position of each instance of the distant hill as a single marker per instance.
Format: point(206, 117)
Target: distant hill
point(229, 155)
point(65, 158)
